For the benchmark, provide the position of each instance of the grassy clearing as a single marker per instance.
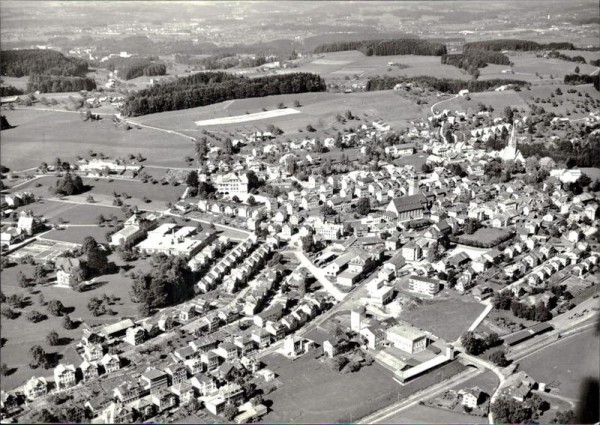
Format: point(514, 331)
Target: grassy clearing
point(318, 109)
point(42, 136)
point(72, 213)
point(487, 236)
point(312, 392)
point(557, 367)
point(448, 319)
point(78, 234)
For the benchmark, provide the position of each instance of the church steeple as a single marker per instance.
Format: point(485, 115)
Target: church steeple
point(512, 142)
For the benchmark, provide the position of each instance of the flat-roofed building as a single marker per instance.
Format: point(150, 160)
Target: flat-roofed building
point(407, 337)
point(424, 285)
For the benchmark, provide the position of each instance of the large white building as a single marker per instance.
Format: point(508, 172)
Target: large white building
point(171, 239)
point(423, 285)
point(231, 184)
point(407, 338)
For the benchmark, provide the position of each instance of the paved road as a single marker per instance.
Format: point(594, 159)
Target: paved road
point(442, 101)
point(320, 276)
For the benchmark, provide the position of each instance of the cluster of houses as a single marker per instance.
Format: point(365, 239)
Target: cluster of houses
point(26, 226)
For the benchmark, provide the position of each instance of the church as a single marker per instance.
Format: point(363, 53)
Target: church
point(510, 152)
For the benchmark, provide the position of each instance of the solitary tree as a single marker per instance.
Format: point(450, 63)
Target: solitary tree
point(52, 338)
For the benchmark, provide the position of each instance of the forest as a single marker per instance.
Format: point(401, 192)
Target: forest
point(56, 84)
point(129, 68)
point(472, 60)
point(10, 91)
point(576, 79)
point(446, 85)
point(386, 47)
point(207, 88)
point(222, 61)
point(18, 63)
point(515, 45)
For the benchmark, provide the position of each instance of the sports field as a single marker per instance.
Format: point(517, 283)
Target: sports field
point(447, 319)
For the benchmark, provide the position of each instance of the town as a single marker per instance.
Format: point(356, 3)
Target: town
point(444, 270)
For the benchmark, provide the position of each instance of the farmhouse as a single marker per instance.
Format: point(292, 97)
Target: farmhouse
point(67, 271)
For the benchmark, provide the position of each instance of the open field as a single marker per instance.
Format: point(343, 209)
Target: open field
point(498, 100)
point(448, 319)
point(78, 234)
point(566, 364)
point(72, 213)
point(311, 391)
point(337, 65)
point(430, 415)
point(21, 334)
point(318, 109)
point(564, 102)
point(42, 136)
point(265, 115)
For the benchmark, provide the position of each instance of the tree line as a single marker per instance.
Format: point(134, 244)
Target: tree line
point(18, 63)
point(212, 87)
point(59, 84)
point(472, 60)
point(10, 91)
point(386, 47)
point(446, 85)
point(222, 61)
point(576, 79)
point(516, 45)
point(129, 68)
point(557, 55)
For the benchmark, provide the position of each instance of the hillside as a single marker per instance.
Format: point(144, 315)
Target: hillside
point(212, 87)
point(18, 63)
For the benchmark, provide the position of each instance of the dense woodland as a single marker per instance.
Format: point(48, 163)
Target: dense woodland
point(222, 61)
point(386, 47)
point(515, 45)
point(18, 63)
point(55, 84)
point(446, 85)
point(129, 68)
point(473, 59)
point(576, 79)
point(10, 91)
point(212, 87)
